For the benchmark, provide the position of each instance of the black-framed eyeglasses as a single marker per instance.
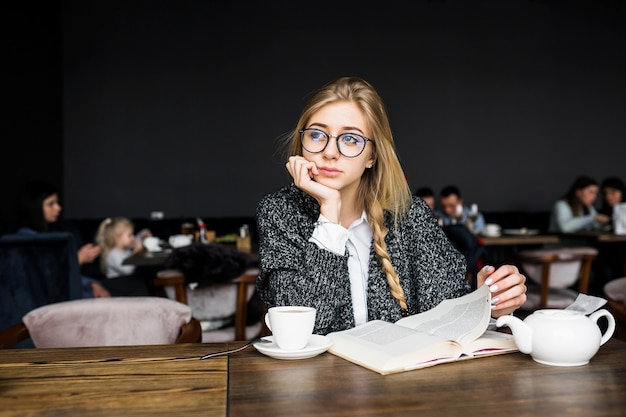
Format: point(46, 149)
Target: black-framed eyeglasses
point(349, 145)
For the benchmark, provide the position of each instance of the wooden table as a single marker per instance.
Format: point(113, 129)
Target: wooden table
point(159, 380)
point(515, 240)
point(600, 237)
point(171, 380)
point(504, 248)
point(157, 259)
point(147, 258)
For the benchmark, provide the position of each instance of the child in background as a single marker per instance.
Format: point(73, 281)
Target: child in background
point(116, 238)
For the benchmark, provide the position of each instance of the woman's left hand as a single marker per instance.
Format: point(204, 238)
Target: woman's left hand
point(87, 253)
point(507, 286)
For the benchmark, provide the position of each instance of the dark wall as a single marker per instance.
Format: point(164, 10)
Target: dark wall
point(175, 106)
point(31, 129)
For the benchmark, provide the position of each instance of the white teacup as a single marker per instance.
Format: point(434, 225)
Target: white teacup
point(152, 244)
point(492, 229)
point(291, 326)
point(178, 241)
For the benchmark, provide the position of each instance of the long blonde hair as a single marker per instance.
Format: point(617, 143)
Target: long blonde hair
point(384, 186)
point(105, 238)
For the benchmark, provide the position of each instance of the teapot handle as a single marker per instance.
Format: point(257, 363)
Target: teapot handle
point(611, 321)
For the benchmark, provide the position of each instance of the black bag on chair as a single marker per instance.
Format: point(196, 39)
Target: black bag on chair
point(207, 263)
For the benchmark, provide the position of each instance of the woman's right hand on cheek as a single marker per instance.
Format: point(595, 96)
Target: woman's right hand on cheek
point(303, 173)
point(301, 170)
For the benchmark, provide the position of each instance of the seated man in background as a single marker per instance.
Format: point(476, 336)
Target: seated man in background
point(428, 195)
point(454, 212)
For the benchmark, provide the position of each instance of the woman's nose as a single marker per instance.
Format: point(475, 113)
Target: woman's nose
point(331, 150)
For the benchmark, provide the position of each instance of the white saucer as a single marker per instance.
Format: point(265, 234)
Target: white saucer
point(318, 344)
point(491, 234)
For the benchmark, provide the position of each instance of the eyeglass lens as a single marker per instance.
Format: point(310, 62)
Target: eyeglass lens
point(349, 144)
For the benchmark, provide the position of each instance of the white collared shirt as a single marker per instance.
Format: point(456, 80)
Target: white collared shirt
point(357, 239)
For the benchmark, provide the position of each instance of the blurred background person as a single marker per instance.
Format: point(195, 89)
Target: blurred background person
point(575, 211)
point(117, 240)
point(613, 192)
point(38, 211)
point(612, 256)
point(428, 195)
point(452, 210)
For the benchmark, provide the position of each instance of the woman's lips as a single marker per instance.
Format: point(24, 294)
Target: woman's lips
point(329, 172)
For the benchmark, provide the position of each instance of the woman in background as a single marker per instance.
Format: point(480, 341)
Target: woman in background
point(575, 212)
point(612, 257)
point(613, 192)
point(39, 211)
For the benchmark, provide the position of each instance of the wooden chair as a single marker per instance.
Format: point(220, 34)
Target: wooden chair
point(243, 286)
point(555, 270)
point(615, 292)
point(106, 322)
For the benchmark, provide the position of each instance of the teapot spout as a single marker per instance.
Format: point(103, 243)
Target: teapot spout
point(522, 333)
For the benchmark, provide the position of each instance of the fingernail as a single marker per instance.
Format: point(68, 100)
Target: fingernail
point(495, 300)
point(493, 306)
point(493, 288)
point(489, 281)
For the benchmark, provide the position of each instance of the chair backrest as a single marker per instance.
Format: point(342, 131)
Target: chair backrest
point(112, 321)
point(214, 304)
point(615, 292)
point(36, 270)
point(558, 268)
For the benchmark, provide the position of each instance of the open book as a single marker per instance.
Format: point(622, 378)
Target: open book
point(456, 329)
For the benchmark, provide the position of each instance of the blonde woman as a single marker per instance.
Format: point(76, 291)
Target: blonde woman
point(347, 237)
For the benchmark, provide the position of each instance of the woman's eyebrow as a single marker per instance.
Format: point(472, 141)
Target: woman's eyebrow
point(343, 129)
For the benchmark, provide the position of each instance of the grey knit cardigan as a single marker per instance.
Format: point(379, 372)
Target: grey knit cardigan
point(295, 271)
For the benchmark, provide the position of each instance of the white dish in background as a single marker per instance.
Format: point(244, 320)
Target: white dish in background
point(521, 232)
point(318, 344)
point(491, 234)
point(179, 241)
point(152, 244)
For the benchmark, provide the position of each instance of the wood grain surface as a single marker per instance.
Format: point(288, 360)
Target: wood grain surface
point(171, 380)
point(159, 380)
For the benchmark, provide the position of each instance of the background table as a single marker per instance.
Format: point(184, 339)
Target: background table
point(607, 237)
point(519, 240)
point(504, 248)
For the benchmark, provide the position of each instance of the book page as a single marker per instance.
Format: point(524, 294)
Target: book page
point(454, 329)
point(462, 319)
point(386, 347)
point(489, 343)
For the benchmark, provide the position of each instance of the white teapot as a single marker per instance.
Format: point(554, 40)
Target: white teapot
point(559, 337)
